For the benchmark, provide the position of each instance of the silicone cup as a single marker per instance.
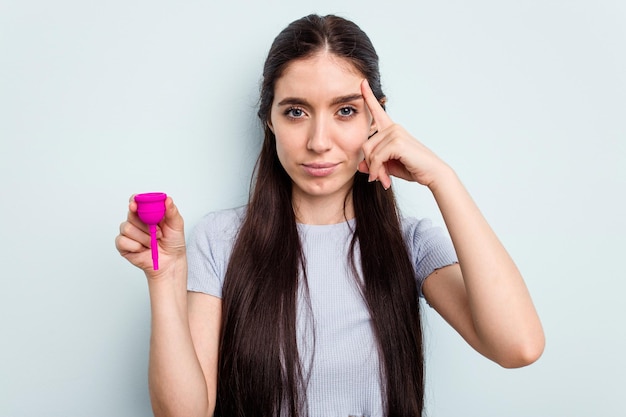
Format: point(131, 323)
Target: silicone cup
point(151, 209)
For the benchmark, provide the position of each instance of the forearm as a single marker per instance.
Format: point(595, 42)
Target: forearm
point(503, 315)
point(177, 384)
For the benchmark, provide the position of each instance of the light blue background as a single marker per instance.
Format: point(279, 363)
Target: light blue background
point(98, 100)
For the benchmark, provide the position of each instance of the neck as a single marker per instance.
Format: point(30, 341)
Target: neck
point(323, 210)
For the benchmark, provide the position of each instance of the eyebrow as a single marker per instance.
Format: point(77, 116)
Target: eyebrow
point(346, 99)
point(335, 101)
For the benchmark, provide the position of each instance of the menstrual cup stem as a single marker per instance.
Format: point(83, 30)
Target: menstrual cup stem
point(154, 247)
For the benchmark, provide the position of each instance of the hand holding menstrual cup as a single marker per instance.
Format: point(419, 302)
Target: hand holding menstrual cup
point(151, 209)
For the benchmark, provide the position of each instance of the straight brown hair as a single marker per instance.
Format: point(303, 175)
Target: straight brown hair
point(260, 373)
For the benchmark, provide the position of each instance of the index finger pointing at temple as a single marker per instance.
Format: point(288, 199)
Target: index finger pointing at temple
point(381, 117)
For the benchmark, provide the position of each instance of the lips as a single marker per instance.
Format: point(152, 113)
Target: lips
point(319, 169)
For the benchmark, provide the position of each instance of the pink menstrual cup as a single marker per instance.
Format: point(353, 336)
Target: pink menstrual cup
point(151, 209)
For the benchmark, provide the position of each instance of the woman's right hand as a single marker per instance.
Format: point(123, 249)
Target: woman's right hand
point(133, 242)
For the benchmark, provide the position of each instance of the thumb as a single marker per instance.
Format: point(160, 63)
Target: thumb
point(172, 216)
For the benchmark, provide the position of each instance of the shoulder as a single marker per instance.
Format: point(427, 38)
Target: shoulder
point(429, 246)
point(215, 233)
point(220, 225)
point(209, 249)
point(419, 232)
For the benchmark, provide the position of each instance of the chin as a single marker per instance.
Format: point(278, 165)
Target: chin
point(323, 188)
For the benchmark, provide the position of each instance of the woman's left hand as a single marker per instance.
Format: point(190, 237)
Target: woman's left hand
point(392, 151)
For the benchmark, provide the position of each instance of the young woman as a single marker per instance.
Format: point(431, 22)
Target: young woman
point(306, 300)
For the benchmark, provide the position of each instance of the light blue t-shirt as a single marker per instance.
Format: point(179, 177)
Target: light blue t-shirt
point(344, 371)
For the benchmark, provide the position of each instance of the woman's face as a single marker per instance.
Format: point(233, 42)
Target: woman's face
point(320, 121)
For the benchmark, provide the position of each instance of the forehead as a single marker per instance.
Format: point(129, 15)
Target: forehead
point(320, 75)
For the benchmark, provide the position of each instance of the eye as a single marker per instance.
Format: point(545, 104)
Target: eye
point(347, 111)
point(294, 112)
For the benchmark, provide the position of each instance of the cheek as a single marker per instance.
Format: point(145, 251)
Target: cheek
point(355, 138)
point(289, 138)
point(284, 161)
point(280, 150)
point(284, 148)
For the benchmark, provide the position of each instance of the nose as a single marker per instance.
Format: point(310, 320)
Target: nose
point(320, 139)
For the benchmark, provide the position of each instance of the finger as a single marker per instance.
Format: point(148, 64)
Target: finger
point(132, 232)
point(376, 157)
point(381, 118)
point(140, 260)
point(378, 172)
point(363, 168)
point(125, 245)
point(383, 177)
point(132, 204)
point(133, 217)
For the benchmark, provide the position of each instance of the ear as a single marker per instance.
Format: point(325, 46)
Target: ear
point(269, 124)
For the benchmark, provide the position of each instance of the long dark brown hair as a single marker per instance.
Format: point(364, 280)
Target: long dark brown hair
point(260, 373)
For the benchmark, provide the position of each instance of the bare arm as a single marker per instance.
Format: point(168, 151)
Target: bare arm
point(205, 318)
point(182, 382)
point(183, 350)
point(484, 297)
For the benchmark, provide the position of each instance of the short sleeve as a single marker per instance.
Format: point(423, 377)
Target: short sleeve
point(430, 248)
point(209, 250)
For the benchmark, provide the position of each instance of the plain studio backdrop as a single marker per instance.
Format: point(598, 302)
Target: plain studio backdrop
point(99, 100)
